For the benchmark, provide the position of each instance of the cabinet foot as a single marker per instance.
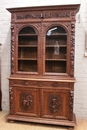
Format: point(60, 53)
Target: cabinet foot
point(70, 128)
point(11, 121)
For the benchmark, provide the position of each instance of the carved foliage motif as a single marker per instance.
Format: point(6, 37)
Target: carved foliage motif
point(11, 99)
point(43, 15)
point(72, 49)
point(12, 49)
point(54, 103)
point(71, 104)
point(26, 101)
point(56, 84)
point(40, 83)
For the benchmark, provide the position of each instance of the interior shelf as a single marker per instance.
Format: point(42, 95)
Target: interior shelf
point(58, 34)
point(55, 59)
point(55, 45)
point(27, 35)
point(27, 59)
point(27, 46)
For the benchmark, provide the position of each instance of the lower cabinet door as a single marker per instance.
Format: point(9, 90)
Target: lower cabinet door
point(55, 103)
point(26, 101)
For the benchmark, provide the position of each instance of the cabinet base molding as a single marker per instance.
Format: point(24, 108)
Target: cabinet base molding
point(72, 123)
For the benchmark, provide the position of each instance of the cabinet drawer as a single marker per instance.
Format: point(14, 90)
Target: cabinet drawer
point(41, 84)
point(55, 103)
point(26, 101)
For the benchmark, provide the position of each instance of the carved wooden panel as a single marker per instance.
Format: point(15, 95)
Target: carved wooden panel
point(39, 15)
point(55, 103)
point(26, 101)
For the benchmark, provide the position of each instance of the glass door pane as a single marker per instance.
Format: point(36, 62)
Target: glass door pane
point(27, 50)
point(56, 50)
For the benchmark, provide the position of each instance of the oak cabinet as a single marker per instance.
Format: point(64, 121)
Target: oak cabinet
point(41, 84)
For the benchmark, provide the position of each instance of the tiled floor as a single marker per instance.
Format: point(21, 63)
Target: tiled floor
point(4, 125)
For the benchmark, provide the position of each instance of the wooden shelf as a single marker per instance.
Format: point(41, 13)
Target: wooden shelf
point(58, 34)
point(55, 45)
point(27, 46)
point(27, 35)
point(55, 59)
point(27, 59)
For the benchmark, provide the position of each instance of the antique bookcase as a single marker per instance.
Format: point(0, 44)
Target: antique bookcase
point(41, 84)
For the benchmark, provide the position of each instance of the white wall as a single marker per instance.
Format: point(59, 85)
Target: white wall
point(80, 103)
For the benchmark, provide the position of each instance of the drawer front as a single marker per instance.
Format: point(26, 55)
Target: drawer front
point(40, 83)
point(25, 101)
point(56, 104)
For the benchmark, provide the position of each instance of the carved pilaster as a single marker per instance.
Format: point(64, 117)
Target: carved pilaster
point(72, 49)
point(11, 100)
point(71, 105)
point(12, 49)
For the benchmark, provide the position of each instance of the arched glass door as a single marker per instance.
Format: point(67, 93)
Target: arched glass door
point(56, 50)
point(27, 50)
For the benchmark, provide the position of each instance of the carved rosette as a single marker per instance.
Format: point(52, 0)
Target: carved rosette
point(11, 100)
point(12, 49)
point(54, 103)
point(71, 105)
point(72, 49)
point(26, 101)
